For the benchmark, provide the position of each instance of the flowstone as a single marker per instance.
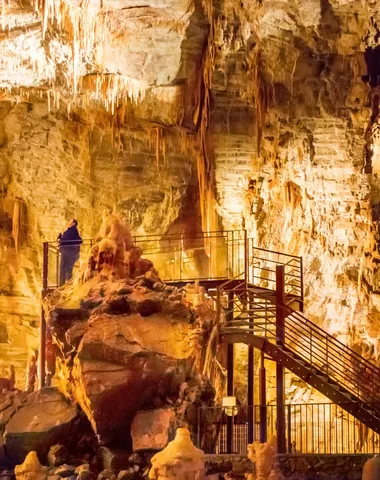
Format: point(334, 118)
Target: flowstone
point(180, 460)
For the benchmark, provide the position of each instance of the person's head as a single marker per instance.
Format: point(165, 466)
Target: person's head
point(72, 223)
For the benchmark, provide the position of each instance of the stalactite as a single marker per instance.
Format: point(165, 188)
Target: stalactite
point(262, 95)
point(158, 133)
point(18, 222)
point(205, 158)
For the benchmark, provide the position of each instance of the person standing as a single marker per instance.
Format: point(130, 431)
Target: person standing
point(69, 248)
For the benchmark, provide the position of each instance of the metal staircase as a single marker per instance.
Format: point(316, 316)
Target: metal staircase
point(263, 319)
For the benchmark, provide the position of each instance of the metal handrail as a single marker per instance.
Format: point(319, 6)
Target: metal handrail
point(319, 349)
point(326, 353)
point(260, 259)
point(273, 251)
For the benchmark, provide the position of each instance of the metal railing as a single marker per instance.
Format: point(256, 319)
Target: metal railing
point(320, 428)
point(201, 256)
point(177, 257)
point(252, 312)
point(324, 352)
point(246, 310)
point(52, 262)
point(262, 271)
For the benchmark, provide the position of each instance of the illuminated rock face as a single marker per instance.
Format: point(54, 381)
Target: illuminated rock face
point(55, 169)
point(130, 349)
point(101, 49)
point(297, 126)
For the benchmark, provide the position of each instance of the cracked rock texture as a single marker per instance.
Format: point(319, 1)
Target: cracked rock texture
point(35, 422)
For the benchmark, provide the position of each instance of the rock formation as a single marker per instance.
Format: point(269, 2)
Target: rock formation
point(263, 455)
point(180, 460)
point(31, 469)
point(129, 354)
point(265, 113)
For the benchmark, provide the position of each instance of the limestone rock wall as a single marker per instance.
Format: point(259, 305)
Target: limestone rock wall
point(53, 168)
point(291, 114)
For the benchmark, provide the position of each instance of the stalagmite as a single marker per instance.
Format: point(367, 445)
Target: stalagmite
point(371, 469)
point(263, 455)
point(180, 460)
point(31, 469)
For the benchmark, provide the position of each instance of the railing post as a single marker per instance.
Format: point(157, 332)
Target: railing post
point(289, 430)
point(180, 257)
point(199, 428)
point(280, 370)
point(302, 297)
point(230, 375)
point(251, 372)
point(263, 401)
point(42, 352)
point(246, 257)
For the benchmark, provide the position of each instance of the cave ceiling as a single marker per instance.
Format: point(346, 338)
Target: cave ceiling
point(102, 51)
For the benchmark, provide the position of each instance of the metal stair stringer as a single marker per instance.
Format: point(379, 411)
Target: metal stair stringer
point(311, 375)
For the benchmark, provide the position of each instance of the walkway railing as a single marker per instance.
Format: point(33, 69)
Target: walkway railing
point(177, 257)
point(251, 311)
point(218, 255)
point(262, 270)
point(324, 352)
point(319, 428)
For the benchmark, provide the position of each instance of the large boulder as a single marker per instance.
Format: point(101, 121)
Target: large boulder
point(129, 346)
point(127, 362)
point(9, 403)
point(152, 429)
point(130, 343)
point(44, 419)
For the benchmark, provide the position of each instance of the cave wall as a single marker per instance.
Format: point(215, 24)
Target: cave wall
point(290, 109)
point(292, 113)
point(53, 168)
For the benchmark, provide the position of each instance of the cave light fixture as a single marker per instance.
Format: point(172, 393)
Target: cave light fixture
point(229, 406)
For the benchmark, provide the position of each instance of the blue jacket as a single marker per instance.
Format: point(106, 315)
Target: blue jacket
point(70, 241)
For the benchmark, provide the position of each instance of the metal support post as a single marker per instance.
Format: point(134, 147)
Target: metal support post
point(230, 376)
point(250, 396)
point(246, 257)
point(42, 352)
point(251, 377)
point(280, 370)
point(263, 401)
point(42, 349)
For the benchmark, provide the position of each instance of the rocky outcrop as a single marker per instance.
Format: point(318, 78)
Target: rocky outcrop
point(36, 422)
point(43, 419)
point(293, 128)
point(151, 429)
point(119, 363)
point(131, 347)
